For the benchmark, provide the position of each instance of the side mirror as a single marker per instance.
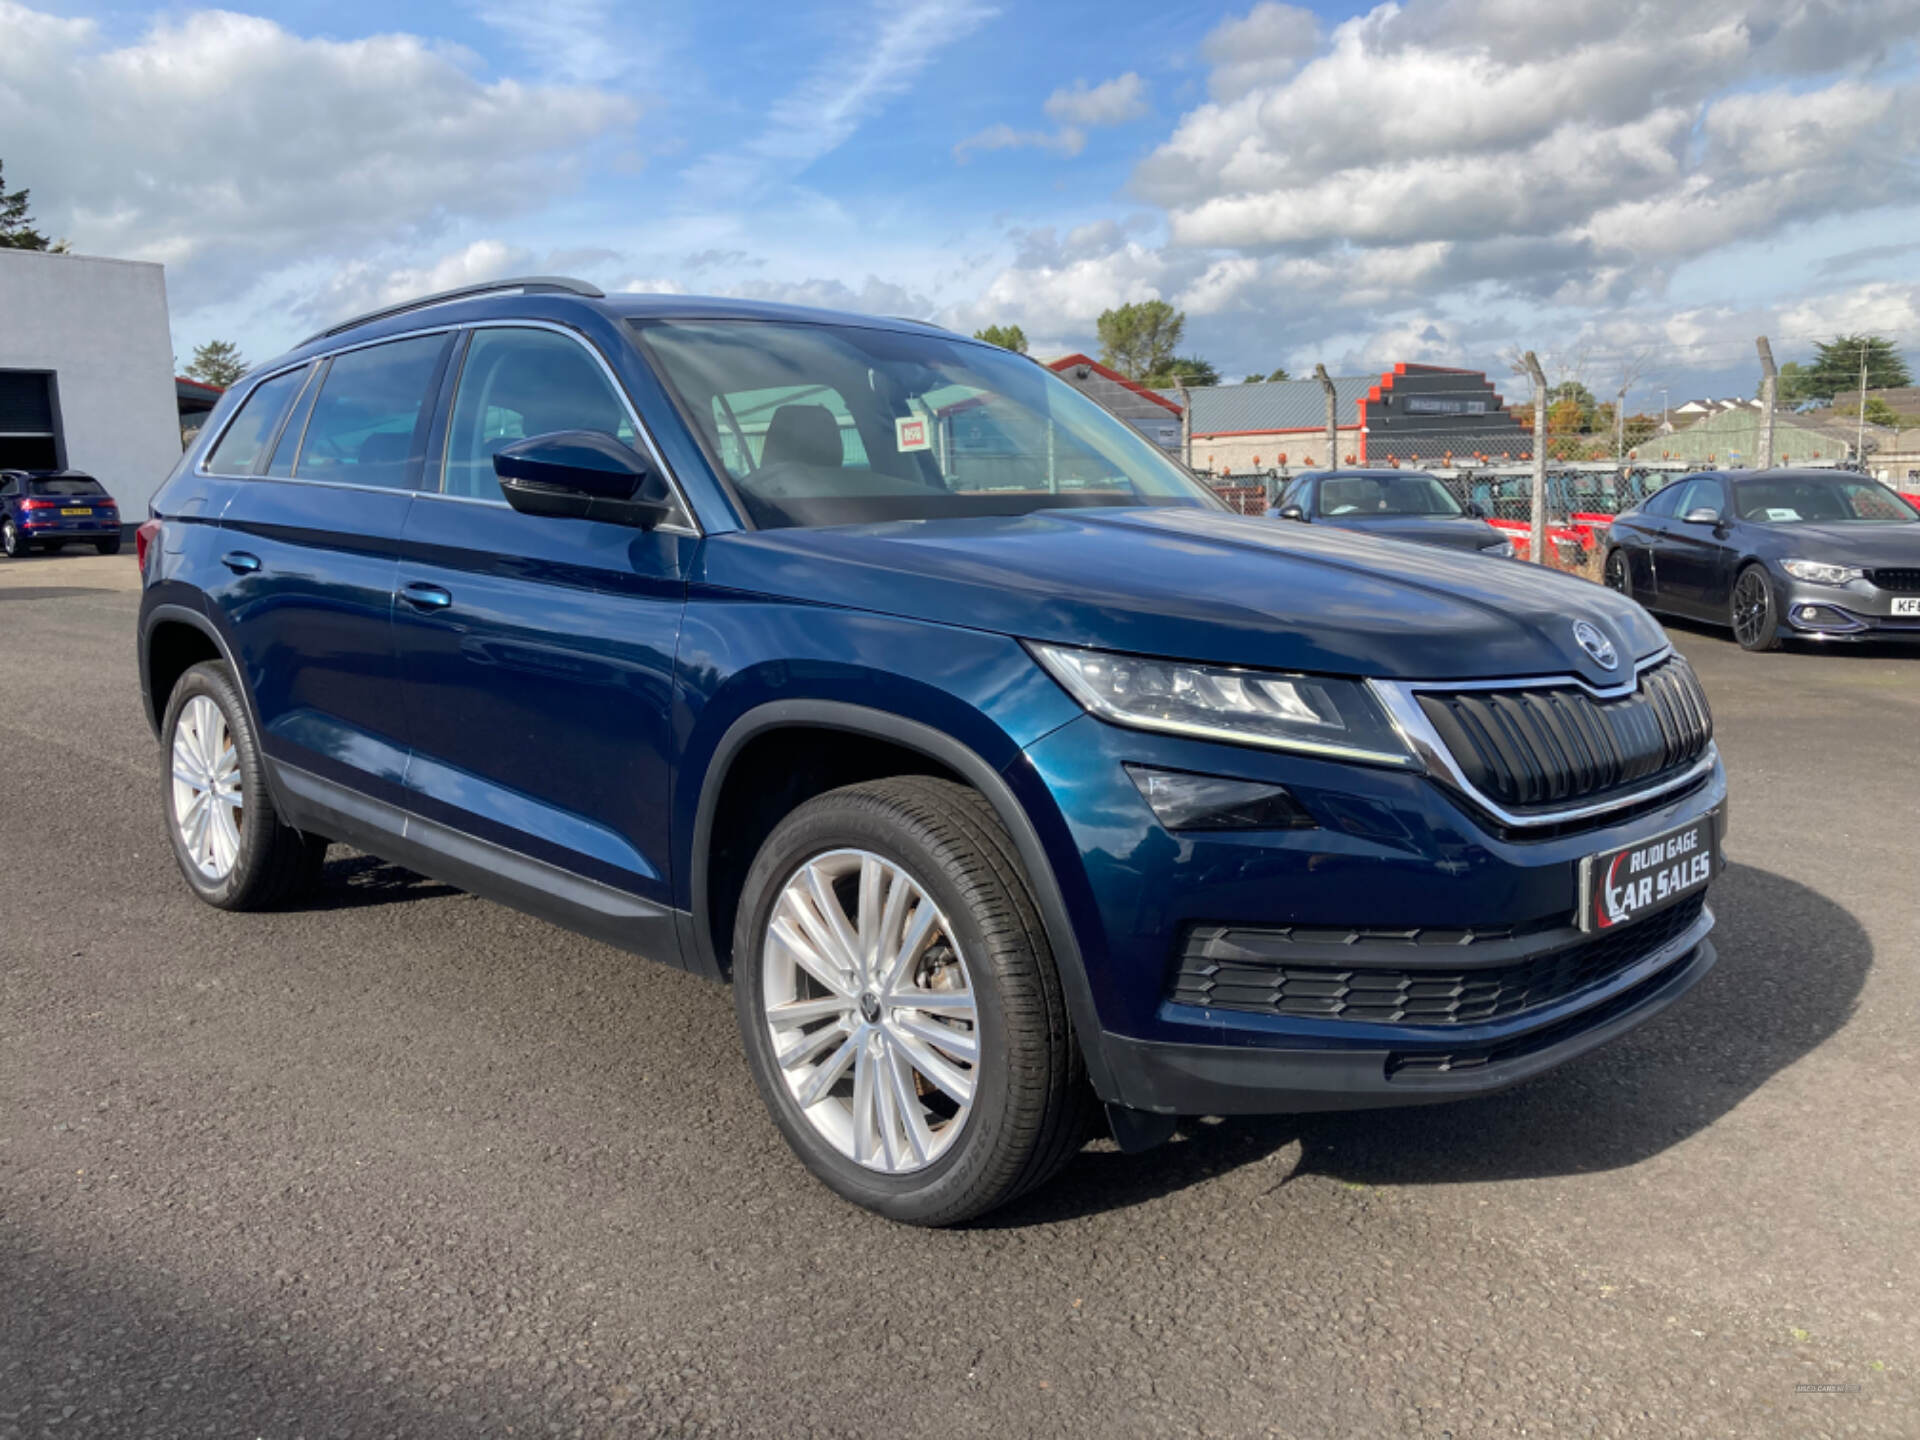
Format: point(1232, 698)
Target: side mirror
point(582, 475)
point(1476, 509)
point(1292, 512)
point(1703, 515)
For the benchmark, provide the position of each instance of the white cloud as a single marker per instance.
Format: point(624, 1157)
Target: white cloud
point(1266, 44)
point(1075, 110)
point(1112, 102)
point(218, 139)
point(363, 285)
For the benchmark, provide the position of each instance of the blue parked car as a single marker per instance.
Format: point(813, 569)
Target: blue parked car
point(51, 509)
point(1400, 504)
point(1011, 779)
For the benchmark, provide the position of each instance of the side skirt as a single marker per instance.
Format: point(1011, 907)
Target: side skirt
point(488, 870)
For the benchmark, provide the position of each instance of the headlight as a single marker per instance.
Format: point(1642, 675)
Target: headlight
point(1818, 572)
point(1309, 713)
point(1503, 550)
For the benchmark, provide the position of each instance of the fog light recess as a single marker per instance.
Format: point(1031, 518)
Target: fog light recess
point(1182, 801)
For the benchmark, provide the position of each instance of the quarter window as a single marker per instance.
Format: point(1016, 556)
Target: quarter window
point(238, 450)
point(519, 383)
point(369, 421)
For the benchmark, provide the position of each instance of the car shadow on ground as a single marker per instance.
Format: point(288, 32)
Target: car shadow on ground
point(1864, 649)
point(1792, 965)
point(354, 881)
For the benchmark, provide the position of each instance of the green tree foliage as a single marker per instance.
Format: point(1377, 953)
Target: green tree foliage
point(1139, 339)
point(1007, 337)
point(217, 362)
point(1262, 379)
point(1836, 366)
point(1796, 384)
point(1188, 370)
point(1879, 412)
point(16, 222)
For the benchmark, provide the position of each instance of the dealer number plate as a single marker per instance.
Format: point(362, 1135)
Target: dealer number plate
point(1907, 605)
point(1618, 887)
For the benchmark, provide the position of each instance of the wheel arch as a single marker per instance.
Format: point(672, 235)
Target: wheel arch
point(941, 754)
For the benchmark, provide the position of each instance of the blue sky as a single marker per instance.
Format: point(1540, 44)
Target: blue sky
point(1616, 184)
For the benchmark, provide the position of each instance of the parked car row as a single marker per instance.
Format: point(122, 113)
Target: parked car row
point(51, 509)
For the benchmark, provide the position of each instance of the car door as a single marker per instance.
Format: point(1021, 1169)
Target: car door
point(1694, 550)
point(1642, 534)
point(538, 651)
point(308, 549)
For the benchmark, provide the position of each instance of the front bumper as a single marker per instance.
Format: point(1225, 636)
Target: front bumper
point(1393, 852)
point(1856, 611)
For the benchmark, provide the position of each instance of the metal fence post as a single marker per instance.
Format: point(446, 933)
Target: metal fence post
point(1333, 415)
point(1538, 539)
point(1769, 390)
point(1186, 424)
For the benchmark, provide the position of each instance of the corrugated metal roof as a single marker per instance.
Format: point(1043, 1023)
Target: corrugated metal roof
point(1276, 405)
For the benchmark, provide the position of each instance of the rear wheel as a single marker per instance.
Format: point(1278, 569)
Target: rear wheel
point(1616, 572)
point(13, 540)
point(899, 1004)
point(1755, 624)
point(108, 547)
point(231, 844)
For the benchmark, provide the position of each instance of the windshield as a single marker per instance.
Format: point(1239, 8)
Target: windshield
point(1355, 497)
point(65, 485)
point(840, 424)
point(1820, 501)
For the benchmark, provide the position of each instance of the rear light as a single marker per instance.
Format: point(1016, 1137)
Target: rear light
point(146, 538)
point(39, 504)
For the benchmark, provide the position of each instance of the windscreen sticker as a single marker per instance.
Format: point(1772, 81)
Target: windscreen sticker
point(1781, 514)
point(912, 432)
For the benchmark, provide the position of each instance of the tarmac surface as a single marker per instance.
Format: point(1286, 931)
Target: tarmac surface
point(406, 1163)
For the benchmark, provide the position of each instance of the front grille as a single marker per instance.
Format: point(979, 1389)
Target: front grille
point(1229, 968)
point(1559, 746)
point(1901, 581)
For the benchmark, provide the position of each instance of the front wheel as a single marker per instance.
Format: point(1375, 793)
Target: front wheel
point(899, 1004)
point(1756, 625)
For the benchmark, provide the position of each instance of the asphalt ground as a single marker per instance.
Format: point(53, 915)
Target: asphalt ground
point(407, 1163)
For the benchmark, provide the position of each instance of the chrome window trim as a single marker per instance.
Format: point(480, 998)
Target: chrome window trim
point(200, 466)
point(1400, 698)
point(692, 525)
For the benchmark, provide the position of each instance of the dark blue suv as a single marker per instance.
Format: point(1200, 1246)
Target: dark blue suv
point(1005, 772)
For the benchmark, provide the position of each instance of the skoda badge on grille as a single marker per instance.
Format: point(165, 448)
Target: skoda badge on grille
point(1589, 639)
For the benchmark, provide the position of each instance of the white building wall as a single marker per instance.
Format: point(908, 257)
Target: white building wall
point(101, 327)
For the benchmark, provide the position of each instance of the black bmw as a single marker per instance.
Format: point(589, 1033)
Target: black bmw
point(1775, 554)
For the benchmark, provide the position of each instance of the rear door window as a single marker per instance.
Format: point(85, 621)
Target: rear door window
point(238, 450)
point(369, 423)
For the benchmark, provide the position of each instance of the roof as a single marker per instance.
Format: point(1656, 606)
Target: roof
point(1107, 372)
point(185, 389)
point(1270, 405)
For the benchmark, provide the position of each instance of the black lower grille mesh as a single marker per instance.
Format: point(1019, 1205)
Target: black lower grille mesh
point(1244, 969)
point(1549, 747)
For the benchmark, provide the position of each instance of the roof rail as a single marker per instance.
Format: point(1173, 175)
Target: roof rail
point(525, 284)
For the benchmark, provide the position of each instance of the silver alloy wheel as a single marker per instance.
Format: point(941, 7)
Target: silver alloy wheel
point(871, 1010)
point(208, 807)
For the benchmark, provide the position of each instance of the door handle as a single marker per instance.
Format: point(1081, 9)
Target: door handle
point(426, 597)
point(240, 562)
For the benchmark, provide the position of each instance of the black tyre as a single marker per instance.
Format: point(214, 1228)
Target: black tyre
point(1754, 612)
point(914, 1047)
point(108, 547)
point(1615, 572)
point(231, 844)
point(13, 540)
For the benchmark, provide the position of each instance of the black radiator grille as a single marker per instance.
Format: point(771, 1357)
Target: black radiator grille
point(1553, 747)
point(1901, 581)
point(1230, 968)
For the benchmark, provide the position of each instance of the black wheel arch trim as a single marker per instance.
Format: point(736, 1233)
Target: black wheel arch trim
point(963, 761)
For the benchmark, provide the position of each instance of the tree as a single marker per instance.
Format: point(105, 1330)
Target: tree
point(16, 222)
point(1879, 412)
point(1007, 337)
point(1795, 385)
point(1139, 339)
point(1836, 366)
point(1188, 370)
point(217, 362)
point(1260, 379)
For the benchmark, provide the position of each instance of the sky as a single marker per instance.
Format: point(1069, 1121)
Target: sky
point(1634, 190)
